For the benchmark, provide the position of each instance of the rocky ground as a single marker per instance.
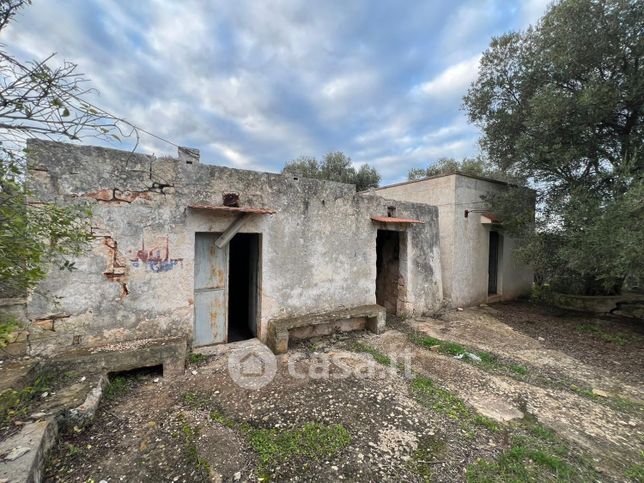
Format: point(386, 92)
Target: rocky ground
point(483, 398)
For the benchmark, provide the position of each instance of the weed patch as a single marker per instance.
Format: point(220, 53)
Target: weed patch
point(117, 387)
point(379, 357)
point(535, 454)
point(195, 358)
point(312, 441)
point(194, 400)
point(190, 435)
point(8, 327)
point(429, 452)
point(439, 399)
point(218, 417)
point(15, 403)
point(485, 360)
point(617, 338)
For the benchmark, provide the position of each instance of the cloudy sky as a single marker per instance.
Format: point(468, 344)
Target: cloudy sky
point(254, 84)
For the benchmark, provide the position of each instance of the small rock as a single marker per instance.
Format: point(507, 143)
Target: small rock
point(541, 338)
point(194, 373)
point(334, 468)
point(600, 393)
point(435, 348)
point(474, 357)
point(237, 476)
point(44, 394)
point(82, 379)
point(16, 453)
point(38, 415)
point(155, 380)
point(103, 481)
point(460, 309)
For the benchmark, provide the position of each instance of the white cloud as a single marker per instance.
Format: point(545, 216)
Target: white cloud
point(452, 81)
point(255, 84)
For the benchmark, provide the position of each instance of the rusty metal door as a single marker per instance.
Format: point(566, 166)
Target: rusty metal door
point(211, 286)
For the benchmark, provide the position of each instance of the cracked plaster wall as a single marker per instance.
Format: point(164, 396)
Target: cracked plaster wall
point(318, 251)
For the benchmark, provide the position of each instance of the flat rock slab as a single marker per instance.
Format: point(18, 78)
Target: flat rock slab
point(22, 455)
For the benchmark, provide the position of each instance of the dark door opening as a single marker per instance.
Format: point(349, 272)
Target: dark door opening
point(243, 270)
point(493, 265)
point(387, 269)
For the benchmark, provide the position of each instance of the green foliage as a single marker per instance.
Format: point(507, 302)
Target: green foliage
point(312, 441)
point(473, 167)
point(439, 399)
point(635, 471)
point(190, 435)
point(541, 294)
point(613, 337)
point(15, 403)
point(535, 454)
point(379, 357)
point(430, 450)
point(8, 327)
point(335, 166)
point(34, 237)
point(195, 358)
point(39, 100)
point(195, 400)
point(488, 361)
point(118, 386)
point(560, 106)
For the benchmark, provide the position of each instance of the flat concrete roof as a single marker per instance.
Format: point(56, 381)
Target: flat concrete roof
point(482, 178)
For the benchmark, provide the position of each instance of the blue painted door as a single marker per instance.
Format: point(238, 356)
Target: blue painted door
point(211, 286)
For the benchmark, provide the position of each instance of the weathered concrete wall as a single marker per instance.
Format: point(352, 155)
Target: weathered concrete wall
point(318, 251)
point(437, 192)
point(464, 242)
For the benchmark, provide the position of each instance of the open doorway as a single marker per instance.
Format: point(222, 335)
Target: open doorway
point(387, 269)
point(493, 264)
point(243, 269)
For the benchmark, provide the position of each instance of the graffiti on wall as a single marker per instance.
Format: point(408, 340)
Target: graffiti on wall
point(156, 256)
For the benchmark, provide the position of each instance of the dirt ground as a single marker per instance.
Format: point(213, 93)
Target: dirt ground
point(486, 394)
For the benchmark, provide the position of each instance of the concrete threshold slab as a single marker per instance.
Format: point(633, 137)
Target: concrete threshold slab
point(23, 455)
point(220, 349)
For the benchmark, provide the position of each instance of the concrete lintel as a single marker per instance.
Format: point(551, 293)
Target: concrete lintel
point(232, 230)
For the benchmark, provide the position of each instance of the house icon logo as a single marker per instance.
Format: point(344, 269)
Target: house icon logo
point(253, 367)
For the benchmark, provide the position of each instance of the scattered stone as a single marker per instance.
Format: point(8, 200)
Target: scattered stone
point(16, 453)
point(38, 415)
point(82, 379)
point(44, 394)
point(435, 347)
point(474, 357)
point(237, 476)
point(194, 373)
point(460, 309)
point(155, 380)
point(600, 393)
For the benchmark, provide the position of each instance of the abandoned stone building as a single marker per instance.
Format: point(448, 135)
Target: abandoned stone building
point(217, 254)
point(478, 264)
point(211, 254)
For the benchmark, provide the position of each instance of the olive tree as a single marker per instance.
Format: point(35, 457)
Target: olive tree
point(40, 98)
point(335, 166)
point(560, 105)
